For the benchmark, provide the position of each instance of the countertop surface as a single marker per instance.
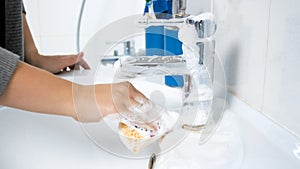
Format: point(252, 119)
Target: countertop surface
point(244, 139)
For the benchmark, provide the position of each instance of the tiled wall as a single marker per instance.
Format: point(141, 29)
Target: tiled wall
point(54, 22)
point(282, 79)
point(242, 45)
point(257, 41)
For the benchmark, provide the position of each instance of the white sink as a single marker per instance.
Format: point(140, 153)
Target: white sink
point(245, 139)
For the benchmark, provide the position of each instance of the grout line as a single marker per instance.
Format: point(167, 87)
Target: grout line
point(232, 92)
point(266, 61)
point(241, 103)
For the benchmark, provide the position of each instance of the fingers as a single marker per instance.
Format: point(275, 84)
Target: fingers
point(124, 97)
point(73, 62)
point(137, 95)
point(72, 67)
point(70, 60)
point(84, 64)
point(77, 65)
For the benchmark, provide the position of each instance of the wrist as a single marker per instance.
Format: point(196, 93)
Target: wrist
point(33, 57)
point(72, 101)
point(84, 104)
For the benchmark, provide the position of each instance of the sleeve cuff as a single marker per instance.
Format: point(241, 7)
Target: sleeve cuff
point(8, 64)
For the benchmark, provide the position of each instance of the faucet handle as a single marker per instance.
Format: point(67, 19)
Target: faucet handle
point(205, 24)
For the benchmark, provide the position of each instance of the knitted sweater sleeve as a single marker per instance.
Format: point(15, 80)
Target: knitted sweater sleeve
point(8, 63)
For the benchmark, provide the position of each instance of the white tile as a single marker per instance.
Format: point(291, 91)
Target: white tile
point(241, 42)
point(282, 89)
point(58, 45)
point(195, 7)
point(84, 38)
point(58, 17)
point(32, 16)
point(99, 14)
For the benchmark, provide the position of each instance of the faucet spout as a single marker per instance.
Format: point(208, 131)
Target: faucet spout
point(179, 8)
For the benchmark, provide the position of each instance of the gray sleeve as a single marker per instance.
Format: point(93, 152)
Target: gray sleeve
point(8, 63)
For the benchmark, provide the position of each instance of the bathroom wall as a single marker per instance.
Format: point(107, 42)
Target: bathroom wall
point(54, 22)
point(257, 42)
point(282, 79)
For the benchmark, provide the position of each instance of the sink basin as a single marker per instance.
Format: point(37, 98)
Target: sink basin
point(244, 139)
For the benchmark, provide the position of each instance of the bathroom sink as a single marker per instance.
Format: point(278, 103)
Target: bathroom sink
point(243, 139)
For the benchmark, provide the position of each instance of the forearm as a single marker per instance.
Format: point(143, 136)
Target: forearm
point(31, 53)
point(36, 90)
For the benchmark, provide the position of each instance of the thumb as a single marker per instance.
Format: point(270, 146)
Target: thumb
point(73, 59)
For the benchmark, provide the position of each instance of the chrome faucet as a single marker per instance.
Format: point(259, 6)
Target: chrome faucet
point(204, 26)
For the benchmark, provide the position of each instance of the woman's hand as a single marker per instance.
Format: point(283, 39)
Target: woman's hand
point(59, 63)
point(53, 64)
point(92, 103)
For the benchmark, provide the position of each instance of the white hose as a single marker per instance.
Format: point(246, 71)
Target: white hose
point(78, 26)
